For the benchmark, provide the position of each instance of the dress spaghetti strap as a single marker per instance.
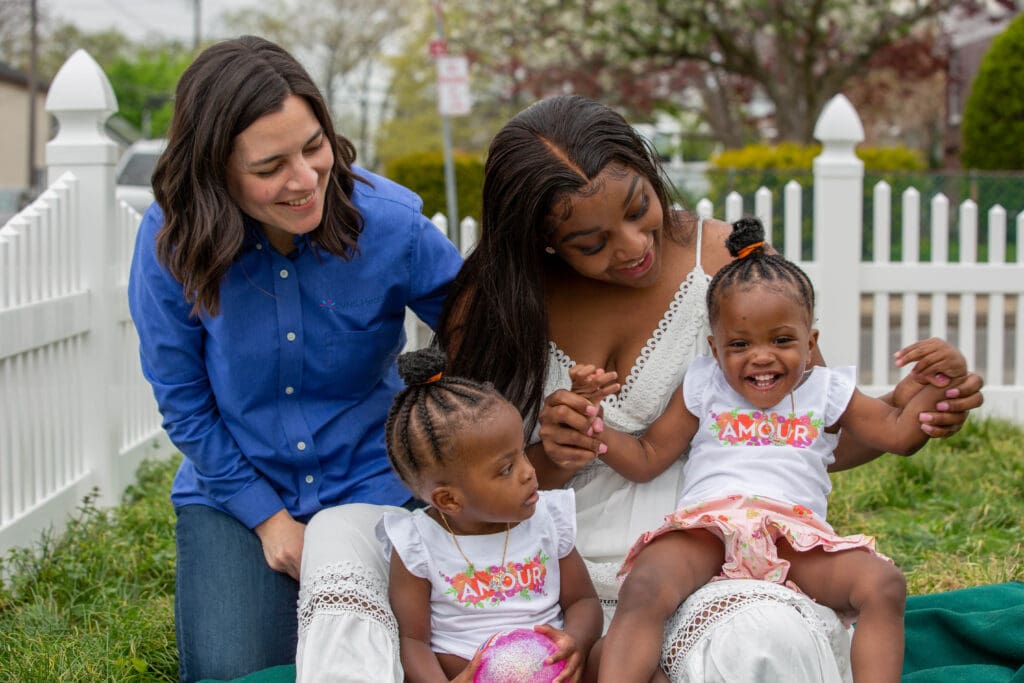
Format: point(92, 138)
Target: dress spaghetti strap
point(700, 233)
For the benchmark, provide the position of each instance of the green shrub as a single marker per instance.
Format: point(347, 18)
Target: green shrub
point(747, 169)
point(423, 173)
point(993, 124)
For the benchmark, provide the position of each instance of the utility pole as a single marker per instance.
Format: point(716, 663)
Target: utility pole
point(446, 141)
point(196, 25)
point(32, 70)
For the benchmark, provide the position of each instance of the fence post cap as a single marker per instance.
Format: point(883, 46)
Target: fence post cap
point(81, 85)
point(839, 122)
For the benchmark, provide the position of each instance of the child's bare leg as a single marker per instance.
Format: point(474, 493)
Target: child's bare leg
point(857, 580)
point(665, 573)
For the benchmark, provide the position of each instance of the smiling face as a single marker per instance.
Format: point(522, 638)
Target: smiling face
point(496, 484)
point(762, 340)
point(613, 231)
point(278, 172)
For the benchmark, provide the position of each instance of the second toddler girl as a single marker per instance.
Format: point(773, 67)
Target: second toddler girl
point(491, 552)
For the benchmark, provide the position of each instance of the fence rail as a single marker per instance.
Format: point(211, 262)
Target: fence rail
point(76, 413)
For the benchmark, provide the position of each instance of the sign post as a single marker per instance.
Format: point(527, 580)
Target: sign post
point(452, 100)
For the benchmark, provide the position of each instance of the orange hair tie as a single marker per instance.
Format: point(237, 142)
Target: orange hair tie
point(431, 380)
point(749, 249)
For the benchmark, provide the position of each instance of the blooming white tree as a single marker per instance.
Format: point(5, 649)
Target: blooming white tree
point(795, 55)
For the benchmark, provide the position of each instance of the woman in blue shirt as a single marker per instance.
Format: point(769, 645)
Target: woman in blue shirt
point(269, 287)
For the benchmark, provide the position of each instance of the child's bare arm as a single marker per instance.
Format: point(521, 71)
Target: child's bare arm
point(879, 425)
point(644, 458)
point(410, 601)
point(582, 614)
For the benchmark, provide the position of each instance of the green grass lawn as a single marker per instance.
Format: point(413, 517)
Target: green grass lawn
point(96, 604)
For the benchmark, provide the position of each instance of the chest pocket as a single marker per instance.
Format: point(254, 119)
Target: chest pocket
point(354, 362)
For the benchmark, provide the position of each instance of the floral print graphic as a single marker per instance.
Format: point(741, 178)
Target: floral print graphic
point(480, 588)
point(758, 428)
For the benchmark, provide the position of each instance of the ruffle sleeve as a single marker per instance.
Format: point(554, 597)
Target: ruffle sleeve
point(696, 381)
point(561, 506)
point(399, 531)
point(841, 384)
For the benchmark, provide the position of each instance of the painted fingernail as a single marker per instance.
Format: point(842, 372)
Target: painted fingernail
point(598, 425)
point(925, 417)
point(603, 448)
point(952, 393)
point(942, 406)
point(591, 410)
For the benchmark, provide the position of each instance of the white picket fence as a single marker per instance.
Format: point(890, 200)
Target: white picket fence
point(867, 310)
point(76, 413)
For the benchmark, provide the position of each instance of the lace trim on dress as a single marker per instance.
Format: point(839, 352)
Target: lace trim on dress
point(679, 337)
point(347, 588)
point(691, 325)
point(719, 602)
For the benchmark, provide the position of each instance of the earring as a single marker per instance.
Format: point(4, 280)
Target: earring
point(549, 250)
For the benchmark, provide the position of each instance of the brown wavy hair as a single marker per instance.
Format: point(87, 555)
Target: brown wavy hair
point(229, 86)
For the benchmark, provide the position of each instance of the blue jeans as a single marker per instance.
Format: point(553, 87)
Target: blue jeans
point(233, 614)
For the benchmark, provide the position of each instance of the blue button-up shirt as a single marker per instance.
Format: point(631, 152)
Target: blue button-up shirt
point(279, 401)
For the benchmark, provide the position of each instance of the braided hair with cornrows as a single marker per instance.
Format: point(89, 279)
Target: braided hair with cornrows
point(428, 412)
point(756, 265)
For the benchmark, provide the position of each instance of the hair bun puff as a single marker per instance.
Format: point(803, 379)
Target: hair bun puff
point(417, 367)
point(746, 231)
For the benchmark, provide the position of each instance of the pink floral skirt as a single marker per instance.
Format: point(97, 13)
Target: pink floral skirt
point(749, 526)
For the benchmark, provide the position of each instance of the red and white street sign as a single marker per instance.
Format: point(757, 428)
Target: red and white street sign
point(438, 47)
point(453, 97)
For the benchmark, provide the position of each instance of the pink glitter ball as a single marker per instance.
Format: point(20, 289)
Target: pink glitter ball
point(518, 657)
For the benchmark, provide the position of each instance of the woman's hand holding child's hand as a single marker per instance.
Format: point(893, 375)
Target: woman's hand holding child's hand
point(940, 364)
point(593, 383)
point(567, 650)
point(571, 420)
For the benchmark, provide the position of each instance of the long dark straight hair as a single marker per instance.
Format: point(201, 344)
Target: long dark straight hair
point(228, 87)
point(495, 322)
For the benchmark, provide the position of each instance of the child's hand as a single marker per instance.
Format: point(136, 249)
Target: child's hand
point(467, 674)
point(593, 383)
point(937, 362)
point(567, 650)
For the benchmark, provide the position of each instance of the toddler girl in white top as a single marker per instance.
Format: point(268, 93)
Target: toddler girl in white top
point(491, 553)
point(761, 423)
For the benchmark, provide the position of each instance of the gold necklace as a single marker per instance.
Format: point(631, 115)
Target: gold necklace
point(775, 438)
point(497, 579)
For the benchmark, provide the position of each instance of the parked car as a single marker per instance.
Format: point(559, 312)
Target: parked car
point(134, 172)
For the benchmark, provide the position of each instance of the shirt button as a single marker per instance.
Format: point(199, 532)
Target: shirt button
point(283, 273)
point(259, 246)
point(309, 478)
point(301, 445)
point(290, 336)
point(289, 390)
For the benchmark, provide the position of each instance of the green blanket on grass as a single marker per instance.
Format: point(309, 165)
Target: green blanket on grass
point(973, 635)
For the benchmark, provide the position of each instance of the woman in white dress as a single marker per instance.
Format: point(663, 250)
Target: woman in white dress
point(582, 260)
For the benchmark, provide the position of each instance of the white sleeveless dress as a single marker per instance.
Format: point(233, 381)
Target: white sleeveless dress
point(728, 630)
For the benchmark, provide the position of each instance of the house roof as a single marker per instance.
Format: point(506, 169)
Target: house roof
point(9, 74)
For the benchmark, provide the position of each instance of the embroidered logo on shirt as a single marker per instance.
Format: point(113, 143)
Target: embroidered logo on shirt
point(757, 428)
point(328, 304)
point(494, 586)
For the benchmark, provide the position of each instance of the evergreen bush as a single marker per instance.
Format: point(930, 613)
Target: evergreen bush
point(993, 123)
point(423, 173)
